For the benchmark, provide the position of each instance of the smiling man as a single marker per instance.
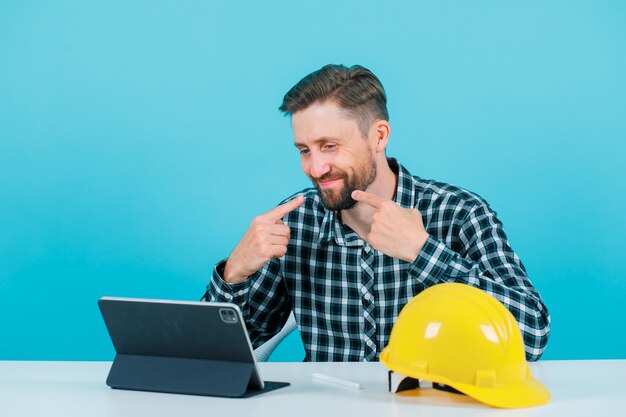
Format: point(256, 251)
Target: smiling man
point(347, 255)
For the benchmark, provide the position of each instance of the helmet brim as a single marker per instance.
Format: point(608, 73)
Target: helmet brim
point(530, 393)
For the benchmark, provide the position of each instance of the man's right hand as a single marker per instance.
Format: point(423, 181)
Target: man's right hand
point(266, 238)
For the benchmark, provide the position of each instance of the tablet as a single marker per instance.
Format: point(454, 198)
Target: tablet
point(183, 347)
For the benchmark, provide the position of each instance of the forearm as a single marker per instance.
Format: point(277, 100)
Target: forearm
point(261, 299)
point(219, 290)
point(507, 282)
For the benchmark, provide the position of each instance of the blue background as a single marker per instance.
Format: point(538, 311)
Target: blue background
point(139, 139)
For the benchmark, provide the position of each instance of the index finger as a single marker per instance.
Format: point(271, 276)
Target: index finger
point(368, 198)
point(279, 212)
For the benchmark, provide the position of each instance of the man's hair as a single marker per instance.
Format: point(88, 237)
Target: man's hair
point(355, 89)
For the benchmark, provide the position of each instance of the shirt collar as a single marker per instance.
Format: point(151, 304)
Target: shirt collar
point(405, 195)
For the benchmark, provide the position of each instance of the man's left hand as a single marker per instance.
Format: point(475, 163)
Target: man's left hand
point(395, 231)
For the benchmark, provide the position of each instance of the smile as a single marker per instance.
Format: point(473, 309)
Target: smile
point(328, 183)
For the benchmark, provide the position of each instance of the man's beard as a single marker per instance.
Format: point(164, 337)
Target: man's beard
point(342, 199)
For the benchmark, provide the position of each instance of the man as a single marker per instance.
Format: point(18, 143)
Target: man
point(347, 255)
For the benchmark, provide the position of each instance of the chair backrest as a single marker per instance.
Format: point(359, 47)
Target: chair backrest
point(264, 351)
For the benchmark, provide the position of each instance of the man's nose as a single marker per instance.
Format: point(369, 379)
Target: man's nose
point(319, 167)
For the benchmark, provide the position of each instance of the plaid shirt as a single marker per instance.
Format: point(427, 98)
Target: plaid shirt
point(346, 295)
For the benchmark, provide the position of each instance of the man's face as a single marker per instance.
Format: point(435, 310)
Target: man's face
point(335, 155)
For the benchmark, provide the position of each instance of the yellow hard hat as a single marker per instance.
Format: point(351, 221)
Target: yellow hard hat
point(460, 336)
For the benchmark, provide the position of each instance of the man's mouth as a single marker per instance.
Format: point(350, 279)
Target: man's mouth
point(328, 182)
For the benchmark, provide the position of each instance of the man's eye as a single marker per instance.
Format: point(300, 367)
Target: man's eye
point(330, 147)
point(304, 151)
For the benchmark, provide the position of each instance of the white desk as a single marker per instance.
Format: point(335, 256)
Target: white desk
point(579, 388)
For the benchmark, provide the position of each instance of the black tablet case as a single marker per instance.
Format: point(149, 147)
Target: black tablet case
point(183, 348)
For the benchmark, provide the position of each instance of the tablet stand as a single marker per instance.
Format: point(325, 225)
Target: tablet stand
point(185, 376)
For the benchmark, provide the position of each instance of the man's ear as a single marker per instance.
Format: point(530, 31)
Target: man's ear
point(380, 130)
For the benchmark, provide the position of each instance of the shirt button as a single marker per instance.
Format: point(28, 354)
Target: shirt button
point(368, 297)
point(369, 343)
point(240, 292)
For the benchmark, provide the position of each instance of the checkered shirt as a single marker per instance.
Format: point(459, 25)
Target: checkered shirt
point(346, 295)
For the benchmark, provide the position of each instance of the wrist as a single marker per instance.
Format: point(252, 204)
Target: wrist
point(231, 275)
point(417, 247)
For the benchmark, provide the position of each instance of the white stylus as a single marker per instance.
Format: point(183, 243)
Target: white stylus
point(337, 381)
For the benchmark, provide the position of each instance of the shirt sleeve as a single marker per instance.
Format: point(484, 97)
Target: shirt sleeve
point(262, 299)
point(487, 262)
